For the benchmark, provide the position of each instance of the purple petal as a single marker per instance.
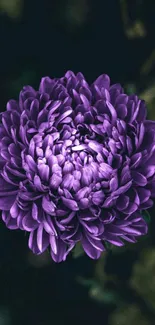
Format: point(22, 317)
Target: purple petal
point(122, 202)
point(138, 178)
point(55, 181)
point(71, 204)
point(32, 243)
point(35, 212)
point(84, 203)
point(149, 171)
point(28, 223)
point(68, 167)
point(135, 160)
point(113, 240)
point(49, 226)
point(31, 163)
point(146, 205)
point(143, 194)
point(38, 184)
point(92, 252)
point(7, 202)
point(112, 111)
point(129, 145)
point(142, 112)
point(83, 192)
point(149, 125)
point(102, 81)
point(79, 147)
point(129, 238)
point(132, 231)
point(65, 221)
point(12, 105)
point(121, 110)
point(97, 147)
point(141, 135)
point(122, 189)
point(121, 99)
point(63, 116)
point(109, 202)
point(47, 205)
point(136, 110)
point(90, 228)
point(7, 189)
point(105, 170)
point(115, 230)
point(132, 207)
point(13, 150)
point(53, 243)
point(44, 172)
point(97, 197)
point(58, 250)
point(125, 175)
point(84, 100)
point(14, 211)
point(86, 215)
point(42, 239)
point(29, 196)
point(68, 181)
point(96, 243)
point(15, 172)
point(11, 223)
point(5, 215)
point(71, 246)
point(46, 85)
point(20, 219)
point(113, 184)
point(87, 175)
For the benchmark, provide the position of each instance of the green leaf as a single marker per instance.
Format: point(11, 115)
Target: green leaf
point(146, 216)
point(78, 250)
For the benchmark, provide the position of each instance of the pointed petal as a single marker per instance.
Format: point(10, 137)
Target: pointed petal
point(71, 204)
point(48, 205)
point(42, 239)
point(91, 251)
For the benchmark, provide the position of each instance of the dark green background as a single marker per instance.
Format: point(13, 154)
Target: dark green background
point(39, 38)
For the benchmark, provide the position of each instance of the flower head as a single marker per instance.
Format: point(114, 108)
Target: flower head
point(77, 164)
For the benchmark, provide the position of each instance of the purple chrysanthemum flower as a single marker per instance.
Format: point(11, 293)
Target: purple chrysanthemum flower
point(77, 164)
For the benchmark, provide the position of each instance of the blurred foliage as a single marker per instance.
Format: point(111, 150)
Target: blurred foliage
point(4, 317)
point(143, 276)
point(78, 250)
point(39, 261)
point(77, 12)
point(149, 96)
point(13, 8)
point(148, 65)
point(132, 29)
point(129, 314)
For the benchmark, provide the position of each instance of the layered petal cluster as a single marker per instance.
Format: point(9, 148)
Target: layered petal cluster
point(77, 164)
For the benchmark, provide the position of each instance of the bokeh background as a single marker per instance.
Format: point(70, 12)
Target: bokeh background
point(47, 37)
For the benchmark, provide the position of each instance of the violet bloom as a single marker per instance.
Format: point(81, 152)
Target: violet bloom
point(77, 164)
